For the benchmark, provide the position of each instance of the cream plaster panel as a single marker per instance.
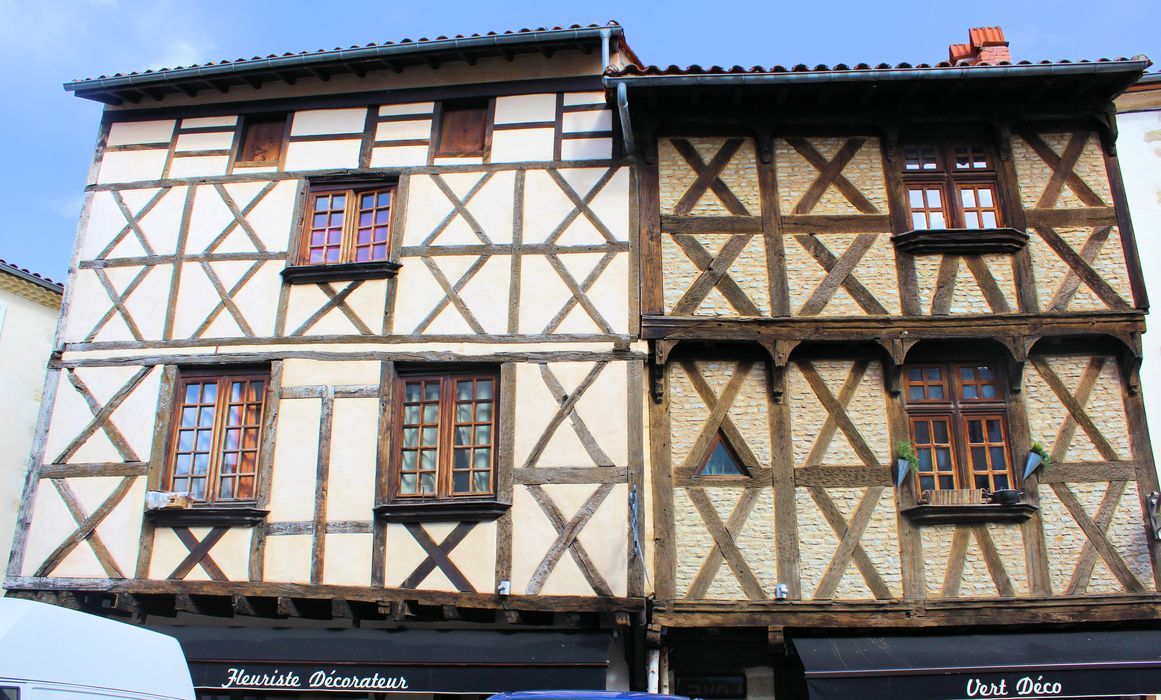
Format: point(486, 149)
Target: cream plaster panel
point(328, 121)
point(398, 156)
point(256, 299)
point(270, 218)
point(354, 440)
point(210, 141)
point(232, 553)
point(147, 303)
point(596, 120)
point(428, 207)
point(542, 295)
point(465, 160)
point(120, 531)
point(407, 108)
point(875, 271)
point(295, 461)
point(168, 552)
point(602, 407)
point(208, 122)
point(748, 270)
point(128, 133)
point(610, 294)
point(546, 206)
point(134, 418)
point(1034, 174)
point(475, 557)
point(351, 372)
point(485, 296)
point(584, 98)
point(1046, 413)
point(404, 130)
point(209, 219)
point(51, 524)
point(611, 205)
point(323, 155)
point(288, 559)
point(525, 108)
point(106, 221)
point(522, 145)
point(132, 166)
point(740, 175)
point(606, 536)
point(533, 534)
point(252, 169)
point(419, 283)
point(198, 166)
point(404, 554)
point(367, 302)
point(347, 560)
point(586, 149)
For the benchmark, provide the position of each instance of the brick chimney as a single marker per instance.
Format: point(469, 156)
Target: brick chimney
point(987, 45)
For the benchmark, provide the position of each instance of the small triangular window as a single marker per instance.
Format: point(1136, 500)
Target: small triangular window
point(721, 460)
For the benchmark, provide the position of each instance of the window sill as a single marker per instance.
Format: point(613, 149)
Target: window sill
point(207, 516)
point(960, 241)
point(427, 511)
point(313, 274)
point(969, 513)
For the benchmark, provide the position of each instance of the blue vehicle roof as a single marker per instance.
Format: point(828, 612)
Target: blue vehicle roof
point(583, 695)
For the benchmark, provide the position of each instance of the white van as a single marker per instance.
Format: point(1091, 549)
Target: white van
point(50, 653)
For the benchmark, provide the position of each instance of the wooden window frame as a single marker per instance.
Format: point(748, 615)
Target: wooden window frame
point(348, 244)
point(957, 411)
point(949, 180)
point(445, 437)
point(217, 447)
point(246, 121)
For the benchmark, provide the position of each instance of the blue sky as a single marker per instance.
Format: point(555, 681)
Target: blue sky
point(50, 134)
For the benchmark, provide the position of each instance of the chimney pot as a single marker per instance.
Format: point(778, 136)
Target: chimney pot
point(986, 45)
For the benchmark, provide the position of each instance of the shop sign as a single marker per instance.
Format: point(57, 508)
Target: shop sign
point(264, 678)
point(1028, 686)
point(712, 687)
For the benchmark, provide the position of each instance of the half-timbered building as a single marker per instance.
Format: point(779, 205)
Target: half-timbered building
point(872, 295)
point(348, 349)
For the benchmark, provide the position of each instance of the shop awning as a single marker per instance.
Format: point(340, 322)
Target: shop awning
point(406, 661)
point(1061, 664)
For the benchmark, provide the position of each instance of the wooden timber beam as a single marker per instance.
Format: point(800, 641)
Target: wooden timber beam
point(958, 613)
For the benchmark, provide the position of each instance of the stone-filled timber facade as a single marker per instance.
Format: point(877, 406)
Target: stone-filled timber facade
point(654, 265)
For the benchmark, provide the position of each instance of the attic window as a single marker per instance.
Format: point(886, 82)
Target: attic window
point(463, 129)
point(262, 139)
point(721, 461)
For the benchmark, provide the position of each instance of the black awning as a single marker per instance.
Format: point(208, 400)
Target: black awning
point(1062, 664)
point(415, 661)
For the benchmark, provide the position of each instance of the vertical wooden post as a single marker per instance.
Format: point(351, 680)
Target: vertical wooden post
point(772, 229)
point(385, 447)
point(664, 526)
point(1146, 469)
point(636, 396)
point(506, 468)
point(1032, 530)
point(649, 206)
point(910, 539)
point(782, 473)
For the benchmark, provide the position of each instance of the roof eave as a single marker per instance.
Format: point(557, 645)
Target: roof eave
point(93, 88)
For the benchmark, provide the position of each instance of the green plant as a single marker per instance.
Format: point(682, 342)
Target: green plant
point(905, 450)
point(1039, 448)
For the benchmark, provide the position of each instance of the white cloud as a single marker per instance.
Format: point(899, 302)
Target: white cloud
point(66, 206)
point(183, 52)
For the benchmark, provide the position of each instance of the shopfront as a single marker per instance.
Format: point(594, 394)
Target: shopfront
point(316, 663)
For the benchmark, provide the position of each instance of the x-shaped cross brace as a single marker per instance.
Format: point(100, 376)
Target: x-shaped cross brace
point(566, 540)
point(725, 548)
point(199, 553)
point(1063, 171)
point(830, 173)
point(437, 556)
point(715, 273)
point(567, 409)
point(102, 417)
point(708, 177)
point(839, 273)
point(957, 558)
point(336, 299)
point(718, 406)
point(86, 528)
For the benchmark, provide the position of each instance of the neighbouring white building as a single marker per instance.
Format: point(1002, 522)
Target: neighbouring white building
point(28, 309)
point(1139, 146)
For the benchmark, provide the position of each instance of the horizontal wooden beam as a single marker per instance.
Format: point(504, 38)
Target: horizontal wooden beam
point(1081, 472)
point(711, 224)
point(901, 614)
point(1089, 216)
point(836, 223)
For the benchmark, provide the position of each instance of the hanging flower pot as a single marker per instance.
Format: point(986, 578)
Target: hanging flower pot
point(905, 463)
point(1037, 457)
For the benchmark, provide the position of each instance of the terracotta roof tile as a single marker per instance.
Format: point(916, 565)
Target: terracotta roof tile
point(31, 276)
point(673, 70)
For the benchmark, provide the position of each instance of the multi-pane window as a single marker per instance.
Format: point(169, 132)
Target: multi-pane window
point(959, 429)
point(217, 431)
point(347, 224)
point(446, 435)
point(951, 184)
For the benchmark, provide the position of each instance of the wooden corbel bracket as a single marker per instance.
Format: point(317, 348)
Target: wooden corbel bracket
point(659, 350)
point(1018, 347)
point(1106, 122)
point(891, 131)
point(897, 349)
point(1130, 358)
point(779, 351)
point(1003, 129)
